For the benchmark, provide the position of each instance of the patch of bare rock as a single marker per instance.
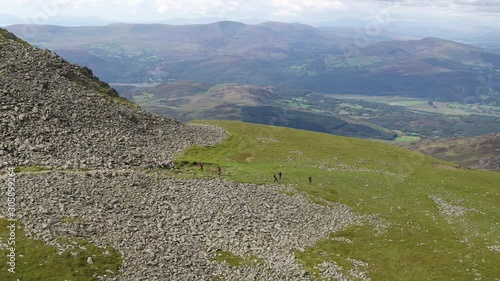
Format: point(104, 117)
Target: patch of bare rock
point(448, 210)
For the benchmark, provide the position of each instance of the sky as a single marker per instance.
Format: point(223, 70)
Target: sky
point(451, 12)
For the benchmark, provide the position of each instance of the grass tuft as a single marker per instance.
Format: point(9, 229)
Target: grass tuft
point(37, 261)
point(235, 260)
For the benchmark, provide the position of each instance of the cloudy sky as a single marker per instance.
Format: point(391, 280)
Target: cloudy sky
point(464, 12)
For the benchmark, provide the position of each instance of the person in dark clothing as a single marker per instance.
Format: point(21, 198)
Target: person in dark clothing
point(218, 170)
point(275, 178)
point(201, 166)
point(279, 175)
point(310, 179)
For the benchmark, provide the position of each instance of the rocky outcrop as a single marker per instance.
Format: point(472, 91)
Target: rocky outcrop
point(57, 114)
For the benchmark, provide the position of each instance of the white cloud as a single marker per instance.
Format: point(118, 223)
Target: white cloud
point(18, 2)
point(296, 8)
point(280, 10)
point(130, 3)
point(453, 5)
point(74, 3)
point(193, 8)
point(256, 8)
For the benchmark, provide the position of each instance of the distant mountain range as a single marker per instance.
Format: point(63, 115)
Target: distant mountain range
point(278, 54)
point(414, 30)
point(6, 20)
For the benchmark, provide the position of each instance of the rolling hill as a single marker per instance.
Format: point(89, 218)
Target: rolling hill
point(278, 54)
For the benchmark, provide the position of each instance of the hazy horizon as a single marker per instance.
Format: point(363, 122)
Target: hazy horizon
point(470, 14)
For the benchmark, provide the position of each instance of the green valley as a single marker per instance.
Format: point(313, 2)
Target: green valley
point(377, 117)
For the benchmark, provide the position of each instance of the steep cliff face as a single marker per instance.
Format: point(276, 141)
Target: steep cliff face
point(58, 114)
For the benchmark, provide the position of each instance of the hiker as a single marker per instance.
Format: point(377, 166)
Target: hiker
point(310, 179)
point(201, 166)
point(275, 178)
point(279, 175)
point(165, 164)
point(172, 165)
point(218, 170)
point(159, 164)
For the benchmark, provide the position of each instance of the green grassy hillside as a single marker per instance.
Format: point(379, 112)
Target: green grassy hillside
point(423, 219)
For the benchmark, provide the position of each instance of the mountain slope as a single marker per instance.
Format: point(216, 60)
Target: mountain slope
point(480, 152)
point(57, 114)
point(291, 55)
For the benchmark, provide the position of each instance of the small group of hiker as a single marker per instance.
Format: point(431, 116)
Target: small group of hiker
point(161, 165)
point(171, 165)
point(219, 170)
